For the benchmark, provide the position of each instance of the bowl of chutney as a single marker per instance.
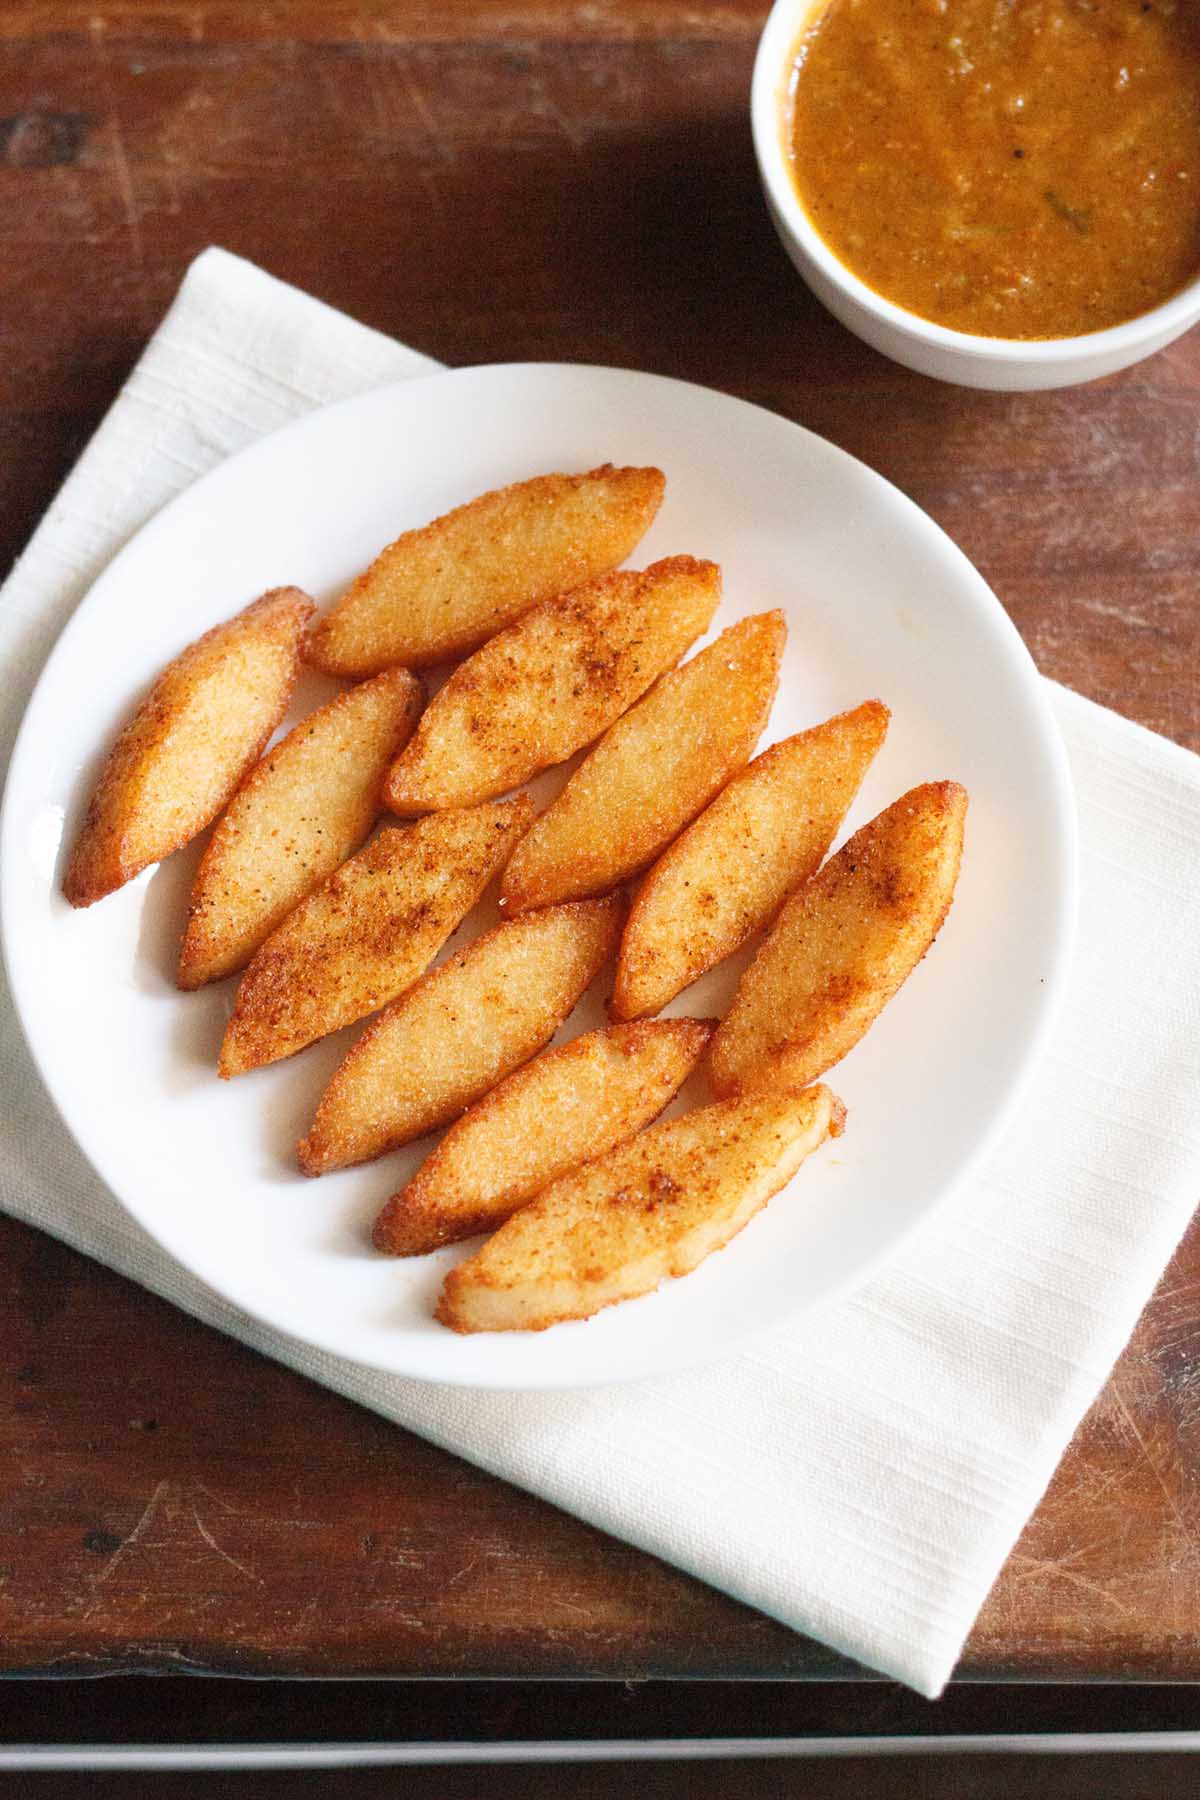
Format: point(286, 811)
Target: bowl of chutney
point(1001, 193)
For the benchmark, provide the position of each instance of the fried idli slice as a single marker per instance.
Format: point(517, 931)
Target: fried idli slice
point(199, 730)
point(368, 932)
point(567, 1106)
point(439, 591)
point(470, 1022)
point(301, 811)
point(843, 945)
point(652, 771)
point(648, 1211)
point(732, 869)
point(551, 683)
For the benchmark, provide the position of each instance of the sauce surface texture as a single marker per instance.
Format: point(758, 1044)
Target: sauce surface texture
point(1013, 168)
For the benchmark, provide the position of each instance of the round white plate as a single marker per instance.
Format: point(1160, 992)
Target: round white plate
point(879, 602)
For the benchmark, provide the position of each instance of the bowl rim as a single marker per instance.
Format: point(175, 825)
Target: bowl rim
point(768, 108)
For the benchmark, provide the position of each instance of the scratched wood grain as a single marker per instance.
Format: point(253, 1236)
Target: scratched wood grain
point(542, 180)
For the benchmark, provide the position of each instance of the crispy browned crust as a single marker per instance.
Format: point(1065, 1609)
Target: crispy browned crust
point(653, 771)
point(843, 945)
point(566, 1107)
point(439, 591)
point(128, 826)
point(293, 821)
point(451, 1037)
point(651, 1210)
point(727, 875)
point(368, 932)
point(549, 684)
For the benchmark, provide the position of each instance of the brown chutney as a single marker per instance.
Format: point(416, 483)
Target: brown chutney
point(1012, 168)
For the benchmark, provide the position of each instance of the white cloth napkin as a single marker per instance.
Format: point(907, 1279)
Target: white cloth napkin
point(863, 1477)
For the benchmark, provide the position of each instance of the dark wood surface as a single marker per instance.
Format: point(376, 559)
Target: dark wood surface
point(509, 181)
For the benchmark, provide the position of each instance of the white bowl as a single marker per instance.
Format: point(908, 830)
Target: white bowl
point(981, 362)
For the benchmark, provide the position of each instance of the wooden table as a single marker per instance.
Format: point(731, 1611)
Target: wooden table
point(526, 180)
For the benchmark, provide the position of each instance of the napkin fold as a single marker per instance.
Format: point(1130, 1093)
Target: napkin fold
point(861, 1477)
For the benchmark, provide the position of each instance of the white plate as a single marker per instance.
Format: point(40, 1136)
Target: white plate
point(879, 602)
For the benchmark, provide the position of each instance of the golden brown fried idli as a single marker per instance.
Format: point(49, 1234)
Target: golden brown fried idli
point(437, 592)
point(652, 771)
point(733, 868)
point(470, 1022)
point(300, 812)
point(843, 944)
point(650, 1210)
point(368, 932)
point(199, 730)
point(567, 1106)
point(551, 683)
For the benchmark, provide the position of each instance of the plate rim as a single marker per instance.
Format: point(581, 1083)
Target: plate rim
point(1063, 917)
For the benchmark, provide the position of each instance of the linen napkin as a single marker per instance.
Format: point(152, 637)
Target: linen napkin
point(861, 1478)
